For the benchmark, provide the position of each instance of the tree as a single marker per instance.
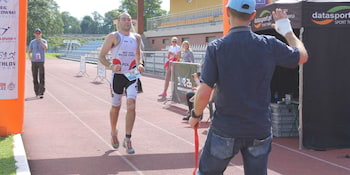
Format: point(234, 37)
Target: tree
point(98, 22)
point(108, 25)
point(71, 25)
point(44, 14)
point(86, 25)
point(151, 9)
point(129, 6)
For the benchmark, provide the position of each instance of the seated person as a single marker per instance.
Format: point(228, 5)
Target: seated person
point(190, 96)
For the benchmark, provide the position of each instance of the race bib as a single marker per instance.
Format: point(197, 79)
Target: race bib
point(38, 56)
point(132, 75)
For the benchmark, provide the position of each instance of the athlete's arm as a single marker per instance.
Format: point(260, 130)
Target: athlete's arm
point(109, 42)
point(138, 58)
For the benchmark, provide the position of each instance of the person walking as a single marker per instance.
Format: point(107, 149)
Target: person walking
point(241, 66)
point(36, 53)
point(174, 54)
point(125, 48)
point(187, 54)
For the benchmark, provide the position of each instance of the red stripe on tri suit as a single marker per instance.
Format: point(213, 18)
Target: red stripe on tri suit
point(116, 61)
point(133, 63)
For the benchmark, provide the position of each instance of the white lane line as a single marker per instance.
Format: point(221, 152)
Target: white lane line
point(94, 132)
point(164, 130)
point(311, 156)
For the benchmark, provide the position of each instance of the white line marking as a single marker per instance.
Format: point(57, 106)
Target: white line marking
point(94, 132)
point(311, 156)
point(176, 136)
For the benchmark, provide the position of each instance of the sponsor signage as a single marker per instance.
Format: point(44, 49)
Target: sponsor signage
point(305, 14)
point(9, 11)
point(183, 80)
point(327, 15)
point(264, 19)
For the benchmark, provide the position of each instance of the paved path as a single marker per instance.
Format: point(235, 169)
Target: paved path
point(67, 132)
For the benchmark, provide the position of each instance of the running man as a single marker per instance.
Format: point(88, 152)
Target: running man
point(125, 51)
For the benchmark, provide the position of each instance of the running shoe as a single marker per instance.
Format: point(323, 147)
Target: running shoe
point(162, 94)
point(128, 147)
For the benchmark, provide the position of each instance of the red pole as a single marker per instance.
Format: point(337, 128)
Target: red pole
point(140, 17)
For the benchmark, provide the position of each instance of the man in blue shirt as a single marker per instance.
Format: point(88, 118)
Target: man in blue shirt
point(36, 52)
point(241, 65)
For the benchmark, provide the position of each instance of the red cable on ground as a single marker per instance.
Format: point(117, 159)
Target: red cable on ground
point(196, 149)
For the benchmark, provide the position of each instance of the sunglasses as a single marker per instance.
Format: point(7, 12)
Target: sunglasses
point(38, 33)
point(174, 41)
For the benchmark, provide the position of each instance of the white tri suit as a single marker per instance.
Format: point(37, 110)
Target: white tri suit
point(124, 54)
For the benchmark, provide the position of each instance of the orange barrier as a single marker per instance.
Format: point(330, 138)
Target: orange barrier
point(12, 111)
point(226, 26)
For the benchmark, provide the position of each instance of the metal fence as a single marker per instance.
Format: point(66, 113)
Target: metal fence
point(154, 60)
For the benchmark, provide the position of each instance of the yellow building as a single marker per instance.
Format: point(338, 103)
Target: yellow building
point(197, 21)
point(177, 6)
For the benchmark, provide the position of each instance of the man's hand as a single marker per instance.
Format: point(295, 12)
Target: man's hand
point(282, 25)
point(140, 68)
point(194, 122)
point(116, 68)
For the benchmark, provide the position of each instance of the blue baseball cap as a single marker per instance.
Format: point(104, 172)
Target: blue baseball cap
point(245, 6)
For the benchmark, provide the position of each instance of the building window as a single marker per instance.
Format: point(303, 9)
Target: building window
point(153, 41)
point(185, 39)
point(166, 41)
point(209, 39)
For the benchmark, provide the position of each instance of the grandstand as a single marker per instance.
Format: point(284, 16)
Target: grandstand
point(198, 16)
point(198, 21)
point(90, 50)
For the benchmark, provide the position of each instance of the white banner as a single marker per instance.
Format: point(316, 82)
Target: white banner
point(82, 64)
point(9, 11)
point(101, 71)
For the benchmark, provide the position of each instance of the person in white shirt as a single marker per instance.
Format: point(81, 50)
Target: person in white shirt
point(174, 54)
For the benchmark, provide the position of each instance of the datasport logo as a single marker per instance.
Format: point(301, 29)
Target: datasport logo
point(264, 19)
point(335, 15)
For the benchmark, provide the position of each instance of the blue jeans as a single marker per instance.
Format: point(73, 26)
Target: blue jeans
point(219, 149)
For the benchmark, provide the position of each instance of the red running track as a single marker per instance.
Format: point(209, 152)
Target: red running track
point(67, 132)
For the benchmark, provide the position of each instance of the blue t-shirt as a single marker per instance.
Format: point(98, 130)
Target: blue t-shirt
point(241, 65)
point(38, 52)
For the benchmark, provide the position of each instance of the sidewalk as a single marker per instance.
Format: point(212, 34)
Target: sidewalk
point(67, 132)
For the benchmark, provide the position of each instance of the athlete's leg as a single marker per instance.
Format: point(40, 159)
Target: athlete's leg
point(131, 93)
point(116, 93)
point(130, 116)
point(114, 115)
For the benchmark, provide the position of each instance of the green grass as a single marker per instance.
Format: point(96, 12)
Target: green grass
point(7, 161)
point(52, 55)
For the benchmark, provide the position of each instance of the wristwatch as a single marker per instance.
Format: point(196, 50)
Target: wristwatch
point(193, 115)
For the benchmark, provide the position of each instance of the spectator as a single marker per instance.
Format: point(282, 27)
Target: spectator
point(174, 54)
point(187, 55)
point(36, 53)
point(241, 120)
